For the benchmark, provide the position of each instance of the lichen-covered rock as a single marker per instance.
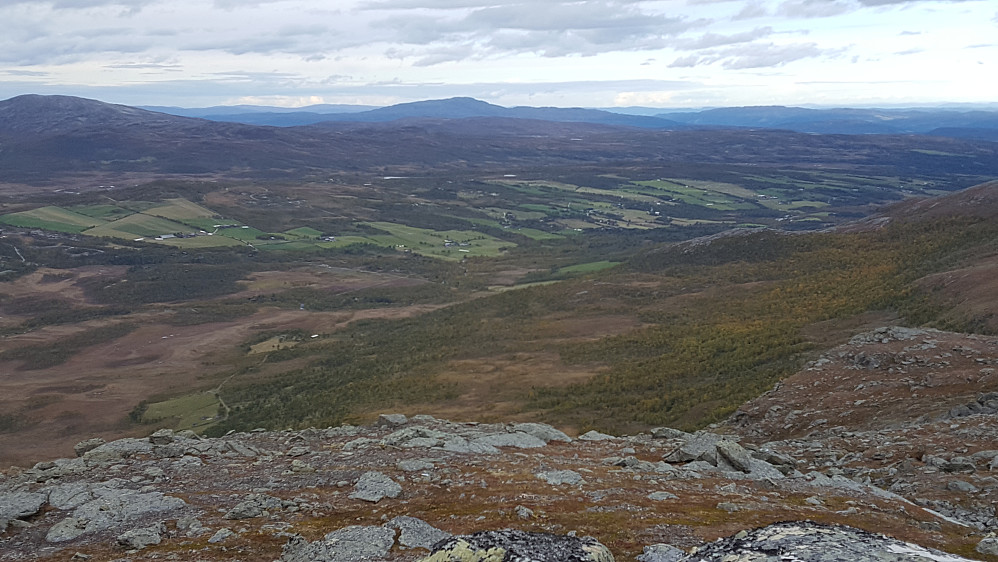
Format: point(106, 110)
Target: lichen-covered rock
point(519, 440)
point(83, 447)
point(988, 546)
point(255, 505)
point(349, 544)
point(15, 505)
point(375, 486)
point(220, 535)
point(815, 542)
point(661, 553)
point(161, 437)
point(137, 539)
point(735, 455)
point(509, 545)
point(558, 477)
point(542, 431)
point(596, 436)
point(416, 533)
point(701, 446)
point(391, 420)
point(109, 508)
point(117, 450)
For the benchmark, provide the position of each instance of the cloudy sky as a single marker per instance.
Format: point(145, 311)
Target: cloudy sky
point(591, 53)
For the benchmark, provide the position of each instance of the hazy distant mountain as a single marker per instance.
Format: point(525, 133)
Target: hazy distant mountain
point(940, 122)
point(223, 110)
point(453, 108)
point(970, 124)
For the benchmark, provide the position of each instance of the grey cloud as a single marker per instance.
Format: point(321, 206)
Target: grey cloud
point(757, 55)
point(827, 8)
point(752, 10)
point(32, 73)
point(768, 55)
point(459, 4)
point(68, 48)
point(132, 6)
point(442, 55)
point(889, 2)
point(710, 40)
point(560, 16)
point(813, 8)
point(237, 4)
point(145, 66)
point(689, 61)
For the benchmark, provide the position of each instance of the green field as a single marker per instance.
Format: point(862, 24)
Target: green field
point(51, 218)
point(535, 234)
point(180, 210)
point(245, 233)
point(138, 225)
point(588, 267)
point(104, 212)
point(446, 244)
point(697, 195)
point(304, 232)
point(199, 242)
point(193, 411)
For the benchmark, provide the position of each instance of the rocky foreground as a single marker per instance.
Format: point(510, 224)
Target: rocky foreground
point(768, 486)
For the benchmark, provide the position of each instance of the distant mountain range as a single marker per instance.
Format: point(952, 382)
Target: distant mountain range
point(43, 137)
point(973, 124)
point(452, 108)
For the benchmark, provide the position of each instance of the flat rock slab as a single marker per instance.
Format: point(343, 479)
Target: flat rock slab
point(509, 545)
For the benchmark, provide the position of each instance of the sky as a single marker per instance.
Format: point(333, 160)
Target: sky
point(582, 53)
